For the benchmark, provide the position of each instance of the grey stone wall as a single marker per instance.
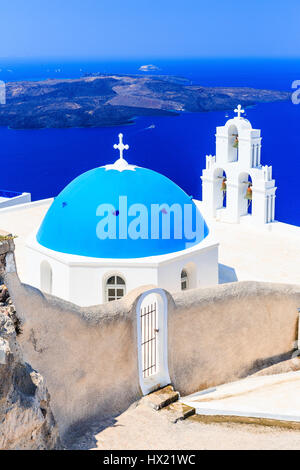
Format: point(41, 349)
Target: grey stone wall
point(221, 334)
point(26, 419)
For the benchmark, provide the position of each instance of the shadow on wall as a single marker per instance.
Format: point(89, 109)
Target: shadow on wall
point(227, 274)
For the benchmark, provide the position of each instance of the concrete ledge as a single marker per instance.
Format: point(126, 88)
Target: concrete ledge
point(8, 202)
point(207, 419)
point(26, 205)
point(269, 400)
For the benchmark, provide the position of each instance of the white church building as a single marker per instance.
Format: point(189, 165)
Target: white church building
point(119, 226)
point(115, 228)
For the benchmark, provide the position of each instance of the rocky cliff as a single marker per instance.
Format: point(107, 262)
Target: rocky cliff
point(26, 420)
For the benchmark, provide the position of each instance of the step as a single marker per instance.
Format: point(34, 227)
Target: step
point(178, 411)
point(162, 397)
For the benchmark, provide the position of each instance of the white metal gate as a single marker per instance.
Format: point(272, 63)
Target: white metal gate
point(149, 331)
point(152, 336)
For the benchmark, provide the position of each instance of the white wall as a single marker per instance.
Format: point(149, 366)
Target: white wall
point(83, 280)
point(60, 273)
point(14, 201)
point(88, 283)
point(206, 266)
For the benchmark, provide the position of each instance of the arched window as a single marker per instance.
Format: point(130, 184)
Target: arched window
point(245, 194)
point(46, 277)
point(184, 280)
point(115, 288)
point(220, 189)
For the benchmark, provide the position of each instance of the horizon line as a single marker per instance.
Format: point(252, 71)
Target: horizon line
point(143, 59)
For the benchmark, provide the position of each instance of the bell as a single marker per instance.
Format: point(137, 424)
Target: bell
point(248, 194)
point(236, 143)
point(223, 186)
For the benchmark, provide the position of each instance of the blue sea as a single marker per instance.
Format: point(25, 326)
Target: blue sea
point(44, 161)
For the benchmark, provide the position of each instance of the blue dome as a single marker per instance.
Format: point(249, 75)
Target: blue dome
point(75, 222)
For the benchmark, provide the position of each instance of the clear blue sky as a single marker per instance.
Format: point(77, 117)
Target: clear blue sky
point(125, 29)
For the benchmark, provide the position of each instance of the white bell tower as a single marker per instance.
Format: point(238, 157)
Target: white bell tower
point(236, 188)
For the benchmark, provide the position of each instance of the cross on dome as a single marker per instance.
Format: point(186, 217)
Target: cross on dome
point(239, 111)
point(120, 164)
point(120, 146)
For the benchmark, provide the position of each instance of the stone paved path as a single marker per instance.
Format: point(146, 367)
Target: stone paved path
point(140, 427)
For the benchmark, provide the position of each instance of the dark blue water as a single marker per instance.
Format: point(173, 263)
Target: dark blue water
point(44, 161)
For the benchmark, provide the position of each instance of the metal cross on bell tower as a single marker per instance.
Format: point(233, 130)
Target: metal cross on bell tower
point(120, 146)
